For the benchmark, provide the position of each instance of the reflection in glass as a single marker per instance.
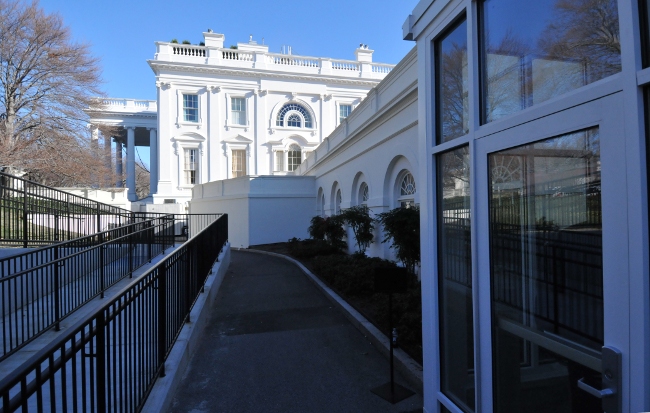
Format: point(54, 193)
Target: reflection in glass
point(455, 279)
point(534, 51)
point(644, 8)
point(451, 69)
point(546, 269)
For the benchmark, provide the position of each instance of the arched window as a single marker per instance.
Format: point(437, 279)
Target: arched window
point(407, 191)
point(292, 115)
point(363, 194)
point(322, 205)
point(294, 120)
point(338, 202)
point(294, 157)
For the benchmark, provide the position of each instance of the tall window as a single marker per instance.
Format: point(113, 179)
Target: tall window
point(407, 191)
point(290, 112)
point(344, 112)
point(644, 9)
point(451, 76)
point(455, 279)
point(294, 157)
point(238, 163)
point(279, 161)
point(550, 48)
point(238, 111)
point(363, 194)
point(337, 207)
point(190, 108)
point(189, 166)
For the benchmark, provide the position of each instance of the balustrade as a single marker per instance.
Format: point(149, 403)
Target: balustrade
point(189, 50)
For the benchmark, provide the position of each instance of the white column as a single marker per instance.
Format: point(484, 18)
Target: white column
point(118, 164)
point(130, 163)
point(153, 161)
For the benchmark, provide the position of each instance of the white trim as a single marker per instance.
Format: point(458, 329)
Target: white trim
point(180, 115)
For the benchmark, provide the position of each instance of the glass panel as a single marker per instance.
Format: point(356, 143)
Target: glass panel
point(191, 108)
point(455, 279)
point(344, 112)
point(534, 51)
point(644, 8)
point(443, 409)
point(451, 72)
point(190, 166)
point(238, 163)
point(294, 157)
point(547, 277)
point(238, 111)
point(279, 161)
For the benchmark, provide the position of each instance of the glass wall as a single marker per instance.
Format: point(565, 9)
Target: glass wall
point(455, 279)
point(546, 274)
point(533, 51)
point(451, 83)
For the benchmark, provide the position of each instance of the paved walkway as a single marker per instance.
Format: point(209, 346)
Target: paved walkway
point(276, 344)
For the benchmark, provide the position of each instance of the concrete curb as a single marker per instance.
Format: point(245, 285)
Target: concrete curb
point(409, 368)
point(160, 398)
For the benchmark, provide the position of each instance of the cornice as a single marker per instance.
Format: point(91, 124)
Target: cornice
point(247, 72)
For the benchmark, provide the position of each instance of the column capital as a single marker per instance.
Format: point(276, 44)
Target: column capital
point(152, 129)
point(129, 128)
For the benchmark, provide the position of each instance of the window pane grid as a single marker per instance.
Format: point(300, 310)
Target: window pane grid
point(238, 111)
point(344, 112)
point(280, 121)
point(238, 163)
point(190, 166)
point(190, 108)
point(294, 157)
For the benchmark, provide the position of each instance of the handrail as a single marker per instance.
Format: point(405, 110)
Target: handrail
point(109, 361)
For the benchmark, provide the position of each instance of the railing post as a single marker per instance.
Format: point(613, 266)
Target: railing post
point(100, 358)
point(25, 236)
point(57, 291)
point(99, 224)
point(150, 239)
point(162, 316)
point(101, 262)
point(188, 279)
point(130, 254)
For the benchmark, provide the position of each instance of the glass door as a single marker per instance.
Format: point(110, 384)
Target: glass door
point(553, 255)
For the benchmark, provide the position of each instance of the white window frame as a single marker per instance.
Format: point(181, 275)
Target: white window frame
point(187, 152)
point(340, 106)
point(244, 157)
point(352, 103)
point(180, 112)
point(229, 111)
point(180, 145)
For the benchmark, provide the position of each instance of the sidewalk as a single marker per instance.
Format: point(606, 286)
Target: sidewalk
point(276, 344)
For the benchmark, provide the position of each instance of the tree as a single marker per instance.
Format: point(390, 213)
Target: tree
point(358, 218)
point(46, 83)
point(402, 225)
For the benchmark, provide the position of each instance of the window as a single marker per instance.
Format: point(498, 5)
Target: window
point(455, 279)
point(279, 161)
point(546, 270)
point(644, 11)
point(549, 48)
point(294, 157)
point(190, 108)
point(294, 121)
point(238, 111)
point(363, 194)
point(407, 190)
point(238, 163)
point(322, 205)
point(189, 167)
point(451, 83)
point(338, 202)
point(293, 109)
point(344, 112)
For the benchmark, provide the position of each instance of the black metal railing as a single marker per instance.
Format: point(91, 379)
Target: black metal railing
point(109, 361)
point(33, 215)
point(39, 288)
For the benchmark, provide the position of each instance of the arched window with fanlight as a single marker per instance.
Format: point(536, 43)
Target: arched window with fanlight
point(294, 157)
point(363, 194)
point(293, 115)
point(407, 191)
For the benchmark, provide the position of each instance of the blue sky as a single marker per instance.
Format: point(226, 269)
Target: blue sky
point(122, 33)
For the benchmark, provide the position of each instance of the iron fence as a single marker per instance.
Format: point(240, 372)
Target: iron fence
point(34, 215)
point(109, 361)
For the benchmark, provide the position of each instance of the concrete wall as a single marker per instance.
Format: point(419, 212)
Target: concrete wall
point(261, 209)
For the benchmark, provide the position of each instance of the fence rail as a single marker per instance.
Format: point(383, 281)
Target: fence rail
point(33, 215)
point(110, 361)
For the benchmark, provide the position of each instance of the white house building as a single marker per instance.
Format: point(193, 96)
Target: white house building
point(223, 113)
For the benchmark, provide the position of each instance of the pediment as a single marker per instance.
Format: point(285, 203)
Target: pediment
point(238, 139)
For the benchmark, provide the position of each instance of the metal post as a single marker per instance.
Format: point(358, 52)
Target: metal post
point(25, 236)
point(150, 239)
point(162, 317)
point(99, 223)
point(390, 328)
point(100, 352)
point(57, 291)
point(101, 262)
point(188, 279)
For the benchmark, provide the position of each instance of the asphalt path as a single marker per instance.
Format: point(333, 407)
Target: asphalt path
point(276, 344)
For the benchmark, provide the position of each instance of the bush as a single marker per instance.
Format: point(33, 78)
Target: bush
point(174, 41)
point(358, 218)
point(402, 225)
point(310, 248)
point(186, 42)
point(329, 229)
point(350, 275)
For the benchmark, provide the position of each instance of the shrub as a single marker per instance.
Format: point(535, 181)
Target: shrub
point(402, 225)
point(186, 42)
point(310, 248)
point(174, 41)
point(358, 218)
point(329, 229)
